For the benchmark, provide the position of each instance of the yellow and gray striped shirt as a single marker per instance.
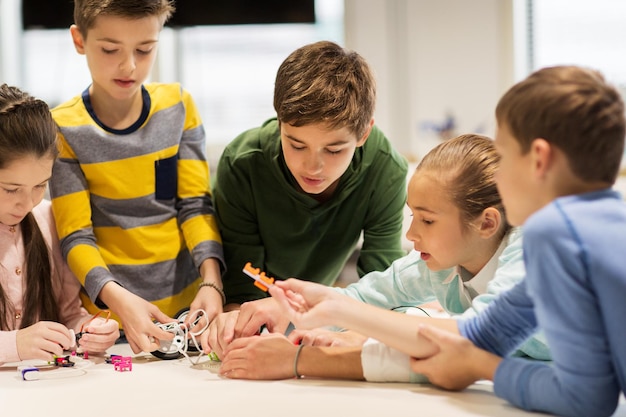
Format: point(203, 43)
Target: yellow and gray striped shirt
point(134, 206)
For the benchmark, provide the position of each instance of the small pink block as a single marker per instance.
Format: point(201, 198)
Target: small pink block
point(122, 363)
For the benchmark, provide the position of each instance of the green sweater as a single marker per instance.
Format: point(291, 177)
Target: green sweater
point(265, 220)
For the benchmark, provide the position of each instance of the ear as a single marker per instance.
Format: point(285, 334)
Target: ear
point(490, 222)
point(77, 39)
point(361, 141)
point(542, 157)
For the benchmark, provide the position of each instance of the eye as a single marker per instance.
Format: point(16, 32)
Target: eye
point(109, 51)
point(427, 221)
point(41, 186)
point(333, 152)
point(13, 191)
point(297, 148)
point(142, 52)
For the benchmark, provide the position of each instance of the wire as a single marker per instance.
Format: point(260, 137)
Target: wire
point(180, 329)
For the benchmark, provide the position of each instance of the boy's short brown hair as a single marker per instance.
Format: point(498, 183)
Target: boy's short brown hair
point(574, 109)
point(325, 83)
point(86, 11)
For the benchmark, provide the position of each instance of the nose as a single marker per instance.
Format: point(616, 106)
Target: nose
point(27, 202)
point(128, 63)
point(412, 234)
point(314, 163)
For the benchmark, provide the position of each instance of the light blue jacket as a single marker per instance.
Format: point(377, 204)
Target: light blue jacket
point(408, 283)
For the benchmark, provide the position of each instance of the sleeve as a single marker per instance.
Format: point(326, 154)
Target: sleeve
point(65, 284)
point(404, 284)
point(382, 363)
point(72, 211)
point(8, 346)
point(195, 207)
point(582, 379)
point(504, 325)
point(238, 226)
point(382, 232)
point(510, 271)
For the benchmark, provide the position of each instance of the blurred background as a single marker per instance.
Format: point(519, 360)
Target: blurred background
point(441, 65)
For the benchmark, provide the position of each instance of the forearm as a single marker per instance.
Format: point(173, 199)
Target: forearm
point(112, 295)
point(330, 362)
point(484, 364)
point(397, 330)
point(210, 271)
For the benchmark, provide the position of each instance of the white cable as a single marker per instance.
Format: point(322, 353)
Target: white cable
point(34, 372)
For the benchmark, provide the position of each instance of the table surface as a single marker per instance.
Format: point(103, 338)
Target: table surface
point(158, 387)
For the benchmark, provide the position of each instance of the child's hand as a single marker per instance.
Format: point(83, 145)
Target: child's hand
point(308, 305)
point(263, 312)
point(269, 356)
point(99, 335)
point(325, 337)
point(457, 364)
point(209, 300)
point(219, 333)
point(43, 340)
point(137, 316)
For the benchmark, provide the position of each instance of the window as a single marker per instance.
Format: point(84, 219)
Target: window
point(581, 32)
point(228, 69)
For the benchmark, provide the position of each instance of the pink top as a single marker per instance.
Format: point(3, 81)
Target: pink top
point(66, 286)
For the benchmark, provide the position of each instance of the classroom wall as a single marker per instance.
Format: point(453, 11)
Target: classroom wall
point(433, 59)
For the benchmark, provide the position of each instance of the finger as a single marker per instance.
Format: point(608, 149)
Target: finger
point(322, 340)
point(251, 327)
point(213, 340)
point(296, 300)
point(290, 284)
point(161, 317)
point(233, 366)
point(201, 324)
point(295, 337)
point(52, 348)
point(59, 334)
point(134, 346)
point(236, 345)
point(432, 334)
point(227, 331)
point(284, 304)
point(204, 342)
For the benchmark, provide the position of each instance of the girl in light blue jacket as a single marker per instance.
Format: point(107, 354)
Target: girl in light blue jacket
point(465, 255)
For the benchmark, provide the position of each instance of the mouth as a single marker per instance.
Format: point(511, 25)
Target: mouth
point(124, 83)
point(312, 181)
point(425, 256)
point(18, 218)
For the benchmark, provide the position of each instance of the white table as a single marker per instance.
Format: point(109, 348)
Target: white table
point(156, 388)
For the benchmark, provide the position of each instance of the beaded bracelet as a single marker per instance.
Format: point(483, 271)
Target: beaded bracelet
point(216, 288)
point(295, 362)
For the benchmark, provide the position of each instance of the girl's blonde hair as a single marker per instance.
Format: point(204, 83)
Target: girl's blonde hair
point(466, 167)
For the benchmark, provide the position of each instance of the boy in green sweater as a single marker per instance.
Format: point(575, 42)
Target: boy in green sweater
point(294, 195)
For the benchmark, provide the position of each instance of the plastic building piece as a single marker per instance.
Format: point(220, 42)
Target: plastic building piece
point(122, 363)
point(261, 280)
point(28, 373)
point(111, 358)
point(82, 327)
point(184, 339)
point(62, 361)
